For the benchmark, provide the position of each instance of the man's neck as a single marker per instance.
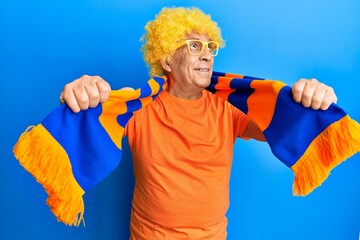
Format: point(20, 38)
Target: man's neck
point(184, 92)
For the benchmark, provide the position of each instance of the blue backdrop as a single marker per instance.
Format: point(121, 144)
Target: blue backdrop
point(45, 44)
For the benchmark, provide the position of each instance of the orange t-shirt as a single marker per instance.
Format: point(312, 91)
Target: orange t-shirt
point(182, 154)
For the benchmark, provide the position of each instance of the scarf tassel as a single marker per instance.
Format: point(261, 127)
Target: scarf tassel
point(335, 144)
point(41, 155)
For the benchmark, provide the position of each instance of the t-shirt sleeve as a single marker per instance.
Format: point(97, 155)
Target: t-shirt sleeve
point(129, 128)
point(241, 121)
point(132, 126)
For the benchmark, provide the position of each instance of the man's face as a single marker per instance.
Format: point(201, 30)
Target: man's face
point(192, 71)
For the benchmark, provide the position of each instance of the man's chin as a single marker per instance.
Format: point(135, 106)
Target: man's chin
point(203, 79)
point(205, 82)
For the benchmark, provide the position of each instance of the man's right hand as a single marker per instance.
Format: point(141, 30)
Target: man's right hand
point(84, 92)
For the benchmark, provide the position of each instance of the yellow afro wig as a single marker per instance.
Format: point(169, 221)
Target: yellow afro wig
point(169, 28)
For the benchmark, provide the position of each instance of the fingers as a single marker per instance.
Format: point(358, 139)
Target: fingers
point(318, 95)
point(312, 93)
point(329, 98)
point(104, 90)
point(84, 92)
point(297, 90)
point(69, 97)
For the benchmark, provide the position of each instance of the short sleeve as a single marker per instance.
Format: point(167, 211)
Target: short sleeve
point(240, 121)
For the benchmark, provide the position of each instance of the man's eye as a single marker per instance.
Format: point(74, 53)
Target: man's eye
point(193, 46)
point(212, 46)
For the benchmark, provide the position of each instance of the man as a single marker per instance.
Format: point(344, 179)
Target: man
point(182, 168)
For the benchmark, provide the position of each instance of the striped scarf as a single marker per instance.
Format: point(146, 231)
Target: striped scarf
point(68, 153)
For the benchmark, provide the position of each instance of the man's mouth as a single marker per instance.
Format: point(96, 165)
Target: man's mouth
point(202, 69)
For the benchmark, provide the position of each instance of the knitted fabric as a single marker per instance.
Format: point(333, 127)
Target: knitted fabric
point(68, 153)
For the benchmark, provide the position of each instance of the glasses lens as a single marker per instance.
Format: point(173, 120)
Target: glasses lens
point(195, 47)
point(213, 47)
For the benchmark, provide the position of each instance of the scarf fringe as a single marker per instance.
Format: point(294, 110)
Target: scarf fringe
point(334, 145)
point(41, 155)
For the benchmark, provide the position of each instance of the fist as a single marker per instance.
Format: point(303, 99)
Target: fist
point(85, 92)
point(314, 94)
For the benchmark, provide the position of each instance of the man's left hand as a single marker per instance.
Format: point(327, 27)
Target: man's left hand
point(314, 94)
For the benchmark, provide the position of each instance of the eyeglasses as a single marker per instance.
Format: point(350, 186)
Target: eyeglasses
point(196, 47)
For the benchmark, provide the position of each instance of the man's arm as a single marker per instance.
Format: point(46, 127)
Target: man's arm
point(253, 131)
point(89, 91)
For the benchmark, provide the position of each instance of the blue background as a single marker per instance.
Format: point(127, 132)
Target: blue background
point(45, 44)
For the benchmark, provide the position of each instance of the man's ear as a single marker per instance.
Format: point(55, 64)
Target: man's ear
point(166, 65)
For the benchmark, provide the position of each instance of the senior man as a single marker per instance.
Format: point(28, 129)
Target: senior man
point(182, 175)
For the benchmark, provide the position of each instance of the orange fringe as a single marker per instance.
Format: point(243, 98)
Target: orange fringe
point(334, 145)
point(41, 155)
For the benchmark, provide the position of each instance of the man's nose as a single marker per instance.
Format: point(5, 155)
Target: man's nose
point(205, 55)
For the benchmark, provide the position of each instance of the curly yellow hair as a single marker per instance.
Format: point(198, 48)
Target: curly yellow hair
point(169, 28)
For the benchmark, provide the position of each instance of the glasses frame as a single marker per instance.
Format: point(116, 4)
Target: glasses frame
point(204, 43)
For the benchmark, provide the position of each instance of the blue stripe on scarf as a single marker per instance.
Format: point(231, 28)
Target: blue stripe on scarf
point(239, 98)
point(289, 135)
point(82, 139)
